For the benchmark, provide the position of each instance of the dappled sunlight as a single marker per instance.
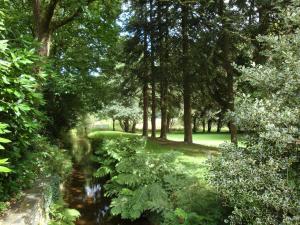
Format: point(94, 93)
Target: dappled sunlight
point(80, 146)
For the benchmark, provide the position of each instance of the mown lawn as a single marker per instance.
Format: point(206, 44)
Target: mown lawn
point(207, 139)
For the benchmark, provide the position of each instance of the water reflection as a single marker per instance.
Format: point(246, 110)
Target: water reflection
point(85, 193)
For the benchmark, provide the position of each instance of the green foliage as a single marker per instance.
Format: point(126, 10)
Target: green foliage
point(261, 180)
point(3, 130)
point(20, 102)
point(43, 161)
point(142, 182)
point(61, 215)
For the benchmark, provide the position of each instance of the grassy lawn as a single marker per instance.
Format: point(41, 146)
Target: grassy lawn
point(207, 139)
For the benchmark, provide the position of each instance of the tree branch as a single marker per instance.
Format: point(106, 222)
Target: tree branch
point(49, 13)
point(77, 13)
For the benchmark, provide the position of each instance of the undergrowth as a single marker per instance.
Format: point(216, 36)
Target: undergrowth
point(158, 186)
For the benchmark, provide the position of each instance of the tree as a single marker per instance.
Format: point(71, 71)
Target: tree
point(259, 179)
point(49, 16)
point(186, 74)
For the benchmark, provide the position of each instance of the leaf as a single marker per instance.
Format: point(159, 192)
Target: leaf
point(3, 161)
point(72, 214)
point(4, 169)
point(4, 140)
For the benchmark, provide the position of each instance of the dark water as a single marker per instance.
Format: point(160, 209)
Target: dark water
point(85, 193)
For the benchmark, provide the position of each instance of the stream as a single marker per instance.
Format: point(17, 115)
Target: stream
point(86, 193)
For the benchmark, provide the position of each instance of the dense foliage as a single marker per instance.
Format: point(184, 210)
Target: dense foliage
point(261, 179)
point(221, 62)
point(20, 115)
point(146, 183)
point(39, 93)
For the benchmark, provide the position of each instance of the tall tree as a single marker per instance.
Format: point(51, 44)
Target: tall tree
point(46, 19)
point(186, 73)
point(153, 71)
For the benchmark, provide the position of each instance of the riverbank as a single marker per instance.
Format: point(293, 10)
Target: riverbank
point(195, 196)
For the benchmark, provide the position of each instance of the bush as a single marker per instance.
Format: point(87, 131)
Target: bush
point(61, 215)
point(145, 183)
point(44, 161)
point(261, 180)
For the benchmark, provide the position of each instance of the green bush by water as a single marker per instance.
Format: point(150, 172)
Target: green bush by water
point(158, 185)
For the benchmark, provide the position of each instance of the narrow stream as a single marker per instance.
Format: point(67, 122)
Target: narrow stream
point(85, 193)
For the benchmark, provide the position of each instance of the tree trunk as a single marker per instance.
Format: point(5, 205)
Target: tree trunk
point(153, 108)
point(203, 125)
point(145, 75)
point(169, 119)
point(225, 44)
point(122, 125)
point(163, 58)
point(163, 107)
point(186, 77)
point(126, 125)
point(209, 124)
point(153, 75)
point(114, 123)
point(145, 109)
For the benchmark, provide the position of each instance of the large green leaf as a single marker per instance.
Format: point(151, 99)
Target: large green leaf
point(4, 169)
point(4, 140)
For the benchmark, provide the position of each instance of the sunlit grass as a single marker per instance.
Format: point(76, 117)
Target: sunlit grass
point(207, 139)
point(109, 134)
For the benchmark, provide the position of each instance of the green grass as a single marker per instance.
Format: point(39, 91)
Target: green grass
point(109, 134)
point(207, 139)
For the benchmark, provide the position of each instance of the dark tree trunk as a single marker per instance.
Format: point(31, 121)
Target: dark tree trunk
point(225, 44)
point(163, 106)
point(114, 123)
point(153, 108)
point(145, 109)
point(145, 75)
point(209, 124)
point(153, 75)
point(126, 125)
point(186, 77)
point(163, 58)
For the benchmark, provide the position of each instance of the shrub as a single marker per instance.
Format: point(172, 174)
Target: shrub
point(261, 180)
point(145, 183)
point(61, 215)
